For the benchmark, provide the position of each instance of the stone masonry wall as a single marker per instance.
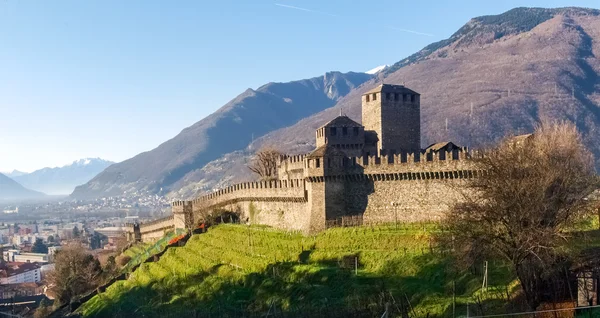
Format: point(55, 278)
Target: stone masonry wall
point(282, 214)
point(155, 230)
point(291, 167)
point(404, 188)
point(277, 203)
point(397, 188)
point(400, 121)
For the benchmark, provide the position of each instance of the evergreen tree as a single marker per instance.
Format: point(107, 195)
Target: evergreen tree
point(76, 232)
point(39, 247)
point(95, 241)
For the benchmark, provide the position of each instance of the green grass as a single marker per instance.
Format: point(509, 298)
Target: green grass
point(236, 271)
point(141, 251)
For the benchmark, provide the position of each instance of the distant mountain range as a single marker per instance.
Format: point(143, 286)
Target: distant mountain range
point(12, 190)
point(61, 180)
point(14, 173)
point(497, 74)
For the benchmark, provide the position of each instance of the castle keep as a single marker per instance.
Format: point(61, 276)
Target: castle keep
point(375, 172)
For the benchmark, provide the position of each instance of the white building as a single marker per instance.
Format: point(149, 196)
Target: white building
point(21, 273)
point(10, 211)
point(31, 257)
point(16, 256)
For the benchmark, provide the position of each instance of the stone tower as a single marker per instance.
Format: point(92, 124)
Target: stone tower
point(393, 112)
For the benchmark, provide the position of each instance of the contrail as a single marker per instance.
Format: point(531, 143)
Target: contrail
point(335, 15)
point(304, 9)
point(410, 31)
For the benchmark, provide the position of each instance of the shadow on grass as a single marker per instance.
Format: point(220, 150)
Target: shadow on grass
point(292, 289)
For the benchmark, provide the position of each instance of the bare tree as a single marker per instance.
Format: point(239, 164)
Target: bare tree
point(521, 207)
point(75, 273)
point(264, 163)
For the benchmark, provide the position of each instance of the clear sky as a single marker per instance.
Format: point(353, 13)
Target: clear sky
point(111, 79)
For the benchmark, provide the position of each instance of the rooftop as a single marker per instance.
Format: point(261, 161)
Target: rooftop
point(342, 121)
point(391, 88)
point(326, 150)
point(13, 269)
point(446, 145)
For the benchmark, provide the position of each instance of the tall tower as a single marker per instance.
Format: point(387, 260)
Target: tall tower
point(393, 112)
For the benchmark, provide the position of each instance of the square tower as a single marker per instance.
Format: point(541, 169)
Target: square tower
point(393, 112)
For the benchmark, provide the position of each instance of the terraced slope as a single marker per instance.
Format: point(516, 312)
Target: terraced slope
point(240, 271)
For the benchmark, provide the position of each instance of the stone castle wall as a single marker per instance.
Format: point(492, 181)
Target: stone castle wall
point(402, 188)
point(291, 167)
point(394, 188)
point(156, 229)
point(278, 203)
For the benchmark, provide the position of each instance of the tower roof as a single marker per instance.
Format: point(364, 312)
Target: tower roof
point(445, 145)
point(326, 151)
point(342, 121)
point(391, 88)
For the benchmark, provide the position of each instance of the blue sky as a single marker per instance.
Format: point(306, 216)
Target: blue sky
point(111, 79)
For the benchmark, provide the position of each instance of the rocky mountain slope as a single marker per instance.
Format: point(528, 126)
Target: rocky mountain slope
point(250, 115)
point(496, 75)
point(63, 180)
point(12, 190)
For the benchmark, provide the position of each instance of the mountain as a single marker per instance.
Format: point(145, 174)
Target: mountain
point(14, 173)
point(496, 75)
point(63, 180)
point(12, 190)
point(377, 69)
point(232, 127)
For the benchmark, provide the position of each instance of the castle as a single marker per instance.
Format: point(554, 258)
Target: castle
point(370, 173)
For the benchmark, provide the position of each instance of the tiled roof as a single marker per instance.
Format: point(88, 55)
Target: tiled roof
point(342, 121)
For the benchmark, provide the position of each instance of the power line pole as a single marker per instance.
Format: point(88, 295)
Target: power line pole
point(485, 276)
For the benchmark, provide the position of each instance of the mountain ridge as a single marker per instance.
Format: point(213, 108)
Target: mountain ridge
point(482, 85)
point(247, 116)
point(12, 190)
point(497, 74)
point(64, 179)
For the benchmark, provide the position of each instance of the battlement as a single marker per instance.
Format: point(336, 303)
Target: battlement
point(163, 221)
point(180, 203)
point(270, 188)
point(292, 158)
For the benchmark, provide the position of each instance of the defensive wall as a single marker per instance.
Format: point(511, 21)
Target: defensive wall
point(151, 231)
point(291, 167)
point(396, 188)
point(388, 188)
point(277, 203)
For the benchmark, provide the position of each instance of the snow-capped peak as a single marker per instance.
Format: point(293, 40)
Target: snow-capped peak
point(85, 161)
point(377, 69)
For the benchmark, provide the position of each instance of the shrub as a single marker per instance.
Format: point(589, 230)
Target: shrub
point(123, 260)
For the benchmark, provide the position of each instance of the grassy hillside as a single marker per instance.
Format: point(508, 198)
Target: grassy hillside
point(235, 271)
point(141, 251)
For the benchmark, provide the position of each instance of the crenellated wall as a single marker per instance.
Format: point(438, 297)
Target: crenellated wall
point(291, 167)
point(278, 203)
point(156, 229)
point(390, 188)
